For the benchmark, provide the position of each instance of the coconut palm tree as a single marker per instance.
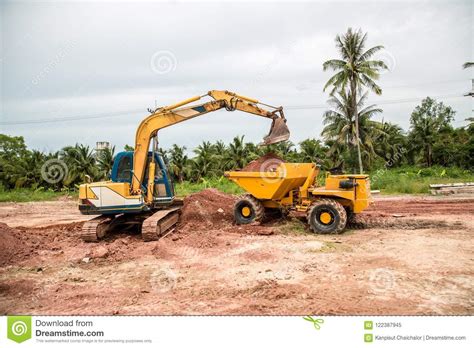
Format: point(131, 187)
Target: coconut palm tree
point(220, 147)
point(202, 167)
point(354, 70)
point(390, 143)
point(341, 127)
point(178, 162)
point(81, 164)
point(205, 162)
point(236, 156)
point(311, 150)
point(25, 171)
point(105, 161)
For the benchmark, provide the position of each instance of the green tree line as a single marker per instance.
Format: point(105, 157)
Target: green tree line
point(431, 140)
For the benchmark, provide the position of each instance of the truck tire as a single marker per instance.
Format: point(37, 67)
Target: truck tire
point(351, 216)
point(248, 209)
point(327, 216)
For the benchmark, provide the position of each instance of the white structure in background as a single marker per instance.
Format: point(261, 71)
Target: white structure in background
point(102, 145)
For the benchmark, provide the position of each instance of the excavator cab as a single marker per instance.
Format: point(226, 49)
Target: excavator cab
point(122, 171)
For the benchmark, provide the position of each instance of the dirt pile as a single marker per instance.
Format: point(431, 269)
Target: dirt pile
point(266, 163)
point(207, 216)
point(208, 208)
point(11, 245)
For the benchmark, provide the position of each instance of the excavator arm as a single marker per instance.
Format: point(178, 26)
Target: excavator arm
point(169, 115)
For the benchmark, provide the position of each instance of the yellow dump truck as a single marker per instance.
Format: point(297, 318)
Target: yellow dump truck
point(291, 186)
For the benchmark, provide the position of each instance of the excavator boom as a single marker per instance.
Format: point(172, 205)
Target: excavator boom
point(170, 115)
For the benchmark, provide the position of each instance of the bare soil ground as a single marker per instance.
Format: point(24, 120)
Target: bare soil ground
point(403, 256)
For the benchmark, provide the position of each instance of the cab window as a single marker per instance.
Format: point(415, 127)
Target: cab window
point(124, 174)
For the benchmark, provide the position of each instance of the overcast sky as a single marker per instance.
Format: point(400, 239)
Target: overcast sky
point(112, 61)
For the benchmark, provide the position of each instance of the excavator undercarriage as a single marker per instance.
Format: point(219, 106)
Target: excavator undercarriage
point(152, 226)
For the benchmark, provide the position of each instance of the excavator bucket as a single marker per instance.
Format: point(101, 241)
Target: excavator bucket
point(278, 132)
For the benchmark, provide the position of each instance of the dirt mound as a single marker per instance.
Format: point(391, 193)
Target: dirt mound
point(11, 245)
point(202, 216)
point(208, 208)
point(207, 216)
point(266, 163)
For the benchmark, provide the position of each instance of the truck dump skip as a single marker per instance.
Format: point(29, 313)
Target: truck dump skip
point(273, 184)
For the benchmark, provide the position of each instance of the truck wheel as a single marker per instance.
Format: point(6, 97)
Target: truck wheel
point(248, 209)
point(351, 216)
point(327, 216)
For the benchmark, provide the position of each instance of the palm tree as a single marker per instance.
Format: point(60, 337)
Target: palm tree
point(390, 142)
point(105, 161)
point(468, 65)
point(204, 164)
point(178, 162)
point(285, 150)
point(81, 163)
point(354, 71)
point(311, 150)
point(25, 171)
point(220, 147)
point(343, 128)
point(237, 154)
point(202, 167)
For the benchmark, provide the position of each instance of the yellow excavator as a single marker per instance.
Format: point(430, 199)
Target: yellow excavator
point(140, 191)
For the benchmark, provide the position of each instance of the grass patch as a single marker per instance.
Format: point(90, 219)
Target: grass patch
point(414, 180)
point(29, 195)
point(293, 227)
point(222, 184)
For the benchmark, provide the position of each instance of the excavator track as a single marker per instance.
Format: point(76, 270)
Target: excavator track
point(156, 225)
point(95, 229)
